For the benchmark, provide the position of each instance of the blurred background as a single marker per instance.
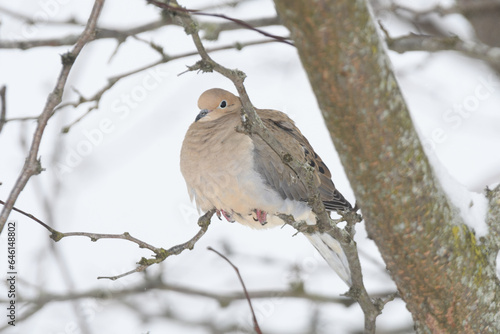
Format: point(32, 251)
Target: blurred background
point(112, 164)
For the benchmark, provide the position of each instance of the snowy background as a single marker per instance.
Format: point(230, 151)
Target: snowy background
point(117, 170)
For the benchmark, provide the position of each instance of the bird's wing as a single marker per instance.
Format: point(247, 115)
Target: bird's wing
point(279, 176)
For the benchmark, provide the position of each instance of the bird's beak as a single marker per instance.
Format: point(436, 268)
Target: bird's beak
point(203, 113)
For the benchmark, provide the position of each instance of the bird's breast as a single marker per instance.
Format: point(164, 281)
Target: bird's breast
point(218, 166)
point(216, 163)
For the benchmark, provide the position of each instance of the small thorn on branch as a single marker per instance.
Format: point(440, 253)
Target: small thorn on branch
point(381, 302)
point(200, 66)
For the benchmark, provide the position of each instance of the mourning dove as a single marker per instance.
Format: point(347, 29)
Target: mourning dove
point(246, 181)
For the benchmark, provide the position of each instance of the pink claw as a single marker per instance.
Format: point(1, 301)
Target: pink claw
point(226, 215)
point(261, 216)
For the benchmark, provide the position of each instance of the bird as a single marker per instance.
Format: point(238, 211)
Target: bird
point(245, 181)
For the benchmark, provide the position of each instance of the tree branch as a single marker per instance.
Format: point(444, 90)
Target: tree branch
point(224, 299)
point(101, 33)
point(213, 30)
point(463, 8)
point(96, 97)
point(247, 297)
point(160, 253)
point(35, 20)
point(32, 165)
point(157, 283)
point(3, 107)
point(472, 49)
point(178, 9)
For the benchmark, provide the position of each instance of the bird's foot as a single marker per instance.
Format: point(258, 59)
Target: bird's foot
point(261, 216)
point(226, 215)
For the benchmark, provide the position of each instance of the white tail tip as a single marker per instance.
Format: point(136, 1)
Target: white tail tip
point(332, 252)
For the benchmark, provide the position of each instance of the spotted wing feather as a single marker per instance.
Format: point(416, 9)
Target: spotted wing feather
point(279, 176)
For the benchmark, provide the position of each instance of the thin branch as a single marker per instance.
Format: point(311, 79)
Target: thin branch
point(156, 283)
point(21, 119)
point(223, 299)
point(101, 33)
point(160, 253)
point(463, 8)
point(32, 165)
point(96, 97)
point(472, 49)
point(218, 5)
point(178, 9)
point(209, 323)
point(165, 58)
point(3, 107)
point(26, 314)
point(213, 30)
point(418, 13)
point(34, 20)
point(254, 318)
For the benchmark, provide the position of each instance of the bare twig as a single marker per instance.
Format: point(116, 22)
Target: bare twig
point(156, 283)
point(463, 7)
point(418, 13)
point(32, 165)
point(21, 119)
point(26, 314)
point(212, 30)
point(208, 324)
point(121, 35)
point(474, 49)
point(34, 19)
point(96, 97)
point(47, 202)
point(222, 299)
point(160, 253)
point(177, 9)
point(3, 107)
point(254, 318)
point(101, 33)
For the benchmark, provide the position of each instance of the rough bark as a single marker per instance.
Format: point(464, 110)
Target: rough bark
point(445, 276)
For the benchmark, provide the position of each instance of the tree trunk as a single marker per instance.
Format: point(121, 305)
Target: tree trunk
point(445, 276)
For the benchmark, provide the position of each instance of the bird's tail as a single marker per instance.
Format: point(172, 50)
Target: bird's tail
point(332, 252)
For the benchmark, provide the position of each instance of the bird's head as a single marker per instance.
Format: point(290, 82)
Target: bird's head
point(215, 103)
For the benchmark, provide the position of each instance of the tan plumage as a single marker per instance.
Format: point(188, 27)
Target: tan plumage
point(245, 180)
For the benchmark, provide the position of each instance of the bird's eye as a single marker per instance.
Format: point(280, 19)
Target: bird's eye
point(223, 104)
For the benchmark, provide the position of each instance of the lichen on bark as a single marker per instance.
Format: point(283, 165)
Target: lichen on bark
point(444, 275)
